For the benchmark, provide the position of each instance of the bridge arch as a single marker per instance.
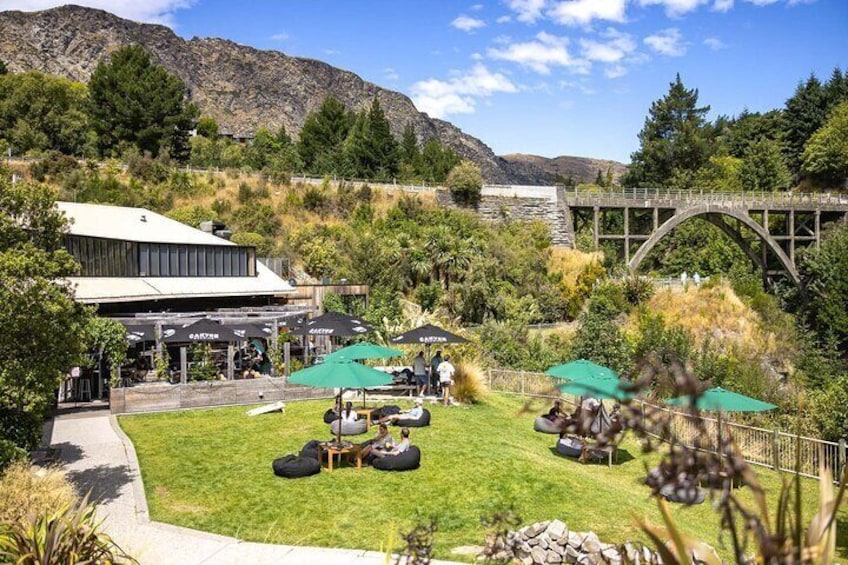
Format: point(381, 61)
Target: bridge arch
point(688, 213)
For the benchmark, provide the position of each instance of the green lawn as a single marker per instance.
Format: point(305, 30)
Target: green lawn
point(211, 470)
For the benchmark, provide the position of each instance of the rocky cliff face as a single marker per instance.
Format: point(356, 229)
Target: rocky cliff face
point(581, 169)
point(241, 87)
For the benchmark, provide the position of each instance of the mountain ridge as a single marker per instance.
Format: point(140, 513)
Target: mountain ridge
point(241, 86)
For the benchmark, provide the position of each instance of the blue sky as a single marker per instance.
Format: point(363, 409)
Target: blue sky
point(550, 77)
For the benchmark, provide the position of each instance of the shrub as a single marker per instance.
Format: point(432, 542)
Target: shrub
point(71, 534)
point(9, 455)
point(54, 165)
point(314, 199)
point(192, 215)
point(262, 244)
point(26, 490)
point(465, 183)
point(469, 383)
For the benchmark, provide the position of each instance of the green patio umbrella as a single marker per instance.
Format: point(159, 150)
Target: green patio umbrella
point(340, 374)
point(602, 387)
point(723, 400)
point(363, 350)
point(581, 371)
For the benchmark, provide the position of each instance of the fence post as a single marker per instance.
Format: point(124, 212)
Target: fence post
point(522, 382)
point(775, 448)
point(841, 457)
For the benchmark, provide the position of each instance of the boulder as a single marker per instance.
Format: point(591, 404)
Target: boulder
point(555, 529)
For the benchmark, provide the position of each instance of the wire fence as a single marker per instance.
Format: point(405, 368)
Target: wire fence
point(773, 449)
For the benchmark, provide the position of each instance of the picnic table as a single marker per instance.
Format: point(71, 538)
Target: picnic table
point(333, 449)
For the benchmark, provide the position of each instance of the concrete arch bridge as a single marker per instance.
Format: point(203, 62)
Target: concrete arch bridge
point(769, 227)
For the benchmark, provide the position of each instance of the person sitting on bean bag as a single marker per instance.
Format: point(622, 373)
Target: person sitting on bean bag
point(377, 443)
point(415, 413)
point(390, 450)
point(556, 412)
point(349, 414)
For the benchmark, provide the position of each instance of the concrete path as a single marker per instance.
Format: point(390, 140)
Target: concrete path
point(98, 456)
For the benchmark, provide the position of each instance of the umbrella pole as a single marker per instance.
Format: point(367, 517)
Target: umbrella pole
point(339, 437)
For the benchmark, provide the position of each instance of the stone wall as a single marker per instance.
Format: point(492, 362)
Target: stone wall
point(499, 208)
point(552, 542)
point(160, 397)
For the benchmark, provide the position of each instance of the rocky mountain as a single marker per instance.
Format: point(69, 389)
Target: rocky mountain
point(240, 86)
point(581, 169)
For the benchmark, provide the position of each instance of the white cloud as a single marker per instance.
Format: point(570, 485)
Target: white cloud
point(504, 19)
point(460, 94)
point(762, 2)
point(583, 12)
point(331, 52)
point(282, 36)
point(615, 71)
point(614, 47)
point(390, 74)
point(715, 43)
point(149, 11)
point(528, 11)
point(476, 57)
point(675, 8)
point(667, 42)
point(476, 7)
point(467, 23)
point(579, 85)
point(722, 5)
point(540, 55)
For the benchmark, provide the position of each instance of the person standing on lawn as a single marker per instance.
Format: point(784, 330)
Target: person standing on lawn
point(435, 361)
point(446, 371)
point(419, 370)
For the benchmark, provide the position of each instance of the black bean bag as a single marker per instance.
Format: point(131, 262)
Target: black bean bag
point(293, 467)
point(569, 446)
point(421, 422)
point(349, 428)
point(384, 411)
point(311, 450)
point(686, 494)
point(330, 416)
point(406, 461)
point(545, 426)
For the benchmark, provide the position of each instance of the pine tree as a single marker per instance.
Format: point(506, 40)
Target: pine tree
point(323, 136)
point(358, 162)
point(599, 179)
point(805, 113)
point(763, 167)
point(136, 102)
point(674, 142)
point(409, 152)
point(382, 146)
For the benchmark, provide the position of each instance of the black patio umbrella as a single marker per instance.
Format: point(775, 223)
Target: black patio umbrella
point(427, 334)
point(247, 331)
point(334, 324)
point(204, 330)
point(140, 333)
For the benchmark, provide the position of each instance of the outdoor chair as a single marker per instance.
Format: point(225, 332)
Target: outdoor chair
point(421, 422)
point(406, 461)
point(349, 428)
point(688, 493)
point(330, 416)
point(311, 450)
point(570, 446)
point(294, 467)
point(545, 426)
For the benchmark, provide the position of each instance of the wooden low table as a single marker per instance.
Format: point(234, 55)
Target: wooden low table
point(367, 413)
point(594, 452)
point(333, 450)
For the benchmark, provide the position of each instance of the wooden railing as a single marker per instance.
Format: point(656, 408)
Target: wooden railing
point(774, 449)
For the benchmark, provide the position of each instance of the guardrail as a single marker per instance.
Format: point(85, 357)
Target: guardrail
point(755, 198)
point(773, 449)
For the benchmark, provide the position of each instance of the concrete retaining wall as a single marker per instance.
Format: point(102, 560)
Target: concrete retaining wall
point(160, 397)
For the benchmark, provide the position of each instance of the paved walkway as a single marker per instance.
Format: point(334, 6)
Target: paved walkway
point(100, 457)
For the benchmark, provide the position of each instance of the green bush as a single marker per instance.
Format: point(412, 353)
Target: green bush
point(829, 408)
point(263, 245)
point(10, 453)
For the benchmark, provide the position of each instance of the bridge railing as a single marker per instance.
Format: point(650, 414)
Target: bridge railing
point(709, 197)
point(758, 446)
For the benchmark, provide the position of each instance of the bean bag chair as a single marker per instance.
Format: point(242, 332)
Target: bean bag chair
point(569, 447)
point(292, 467)
point(406, 461)
point(421, 422)
point(545, 426)
point(330, 416)
point(311, 450)
point(384, 411)
point(349, 428)
point(686, 494)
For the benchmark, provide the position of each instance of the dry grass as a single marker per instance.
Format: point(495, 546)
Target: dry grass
point(469, 383)
point(571, 262)
point(33, 491)
point(714, 314)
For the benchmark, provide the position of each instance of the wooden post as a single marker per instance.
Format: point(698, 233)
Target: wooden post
point(522, 383)
point(596, 230)
point(275, 342)
point(626, 234)
point(183, 365)
point(775, 447)
point(231, 353)
point(818, 228)
point(287, 358)
point(842, 456)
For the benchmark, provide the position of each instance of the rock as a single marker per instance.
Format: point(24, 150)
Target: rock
point(523, 546)
point(539, 555)
point(575, 539)
point(572, 554)
point(544, 542)
point(467, 550)
point(556, 529)
point(535, 529)
point(533, 541)
point(556, 548)
point(554, 558)
point(591, 543)
point(526, 560)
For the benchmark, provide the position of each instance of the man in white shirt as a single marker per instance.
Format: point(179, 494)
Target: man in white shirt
point(413, 414)
point(446, 371)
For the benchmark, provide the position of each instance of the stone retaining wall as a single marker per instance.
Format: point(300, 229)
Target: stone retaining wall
point(500, 208)
point(552, 542)
point(160, 397)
